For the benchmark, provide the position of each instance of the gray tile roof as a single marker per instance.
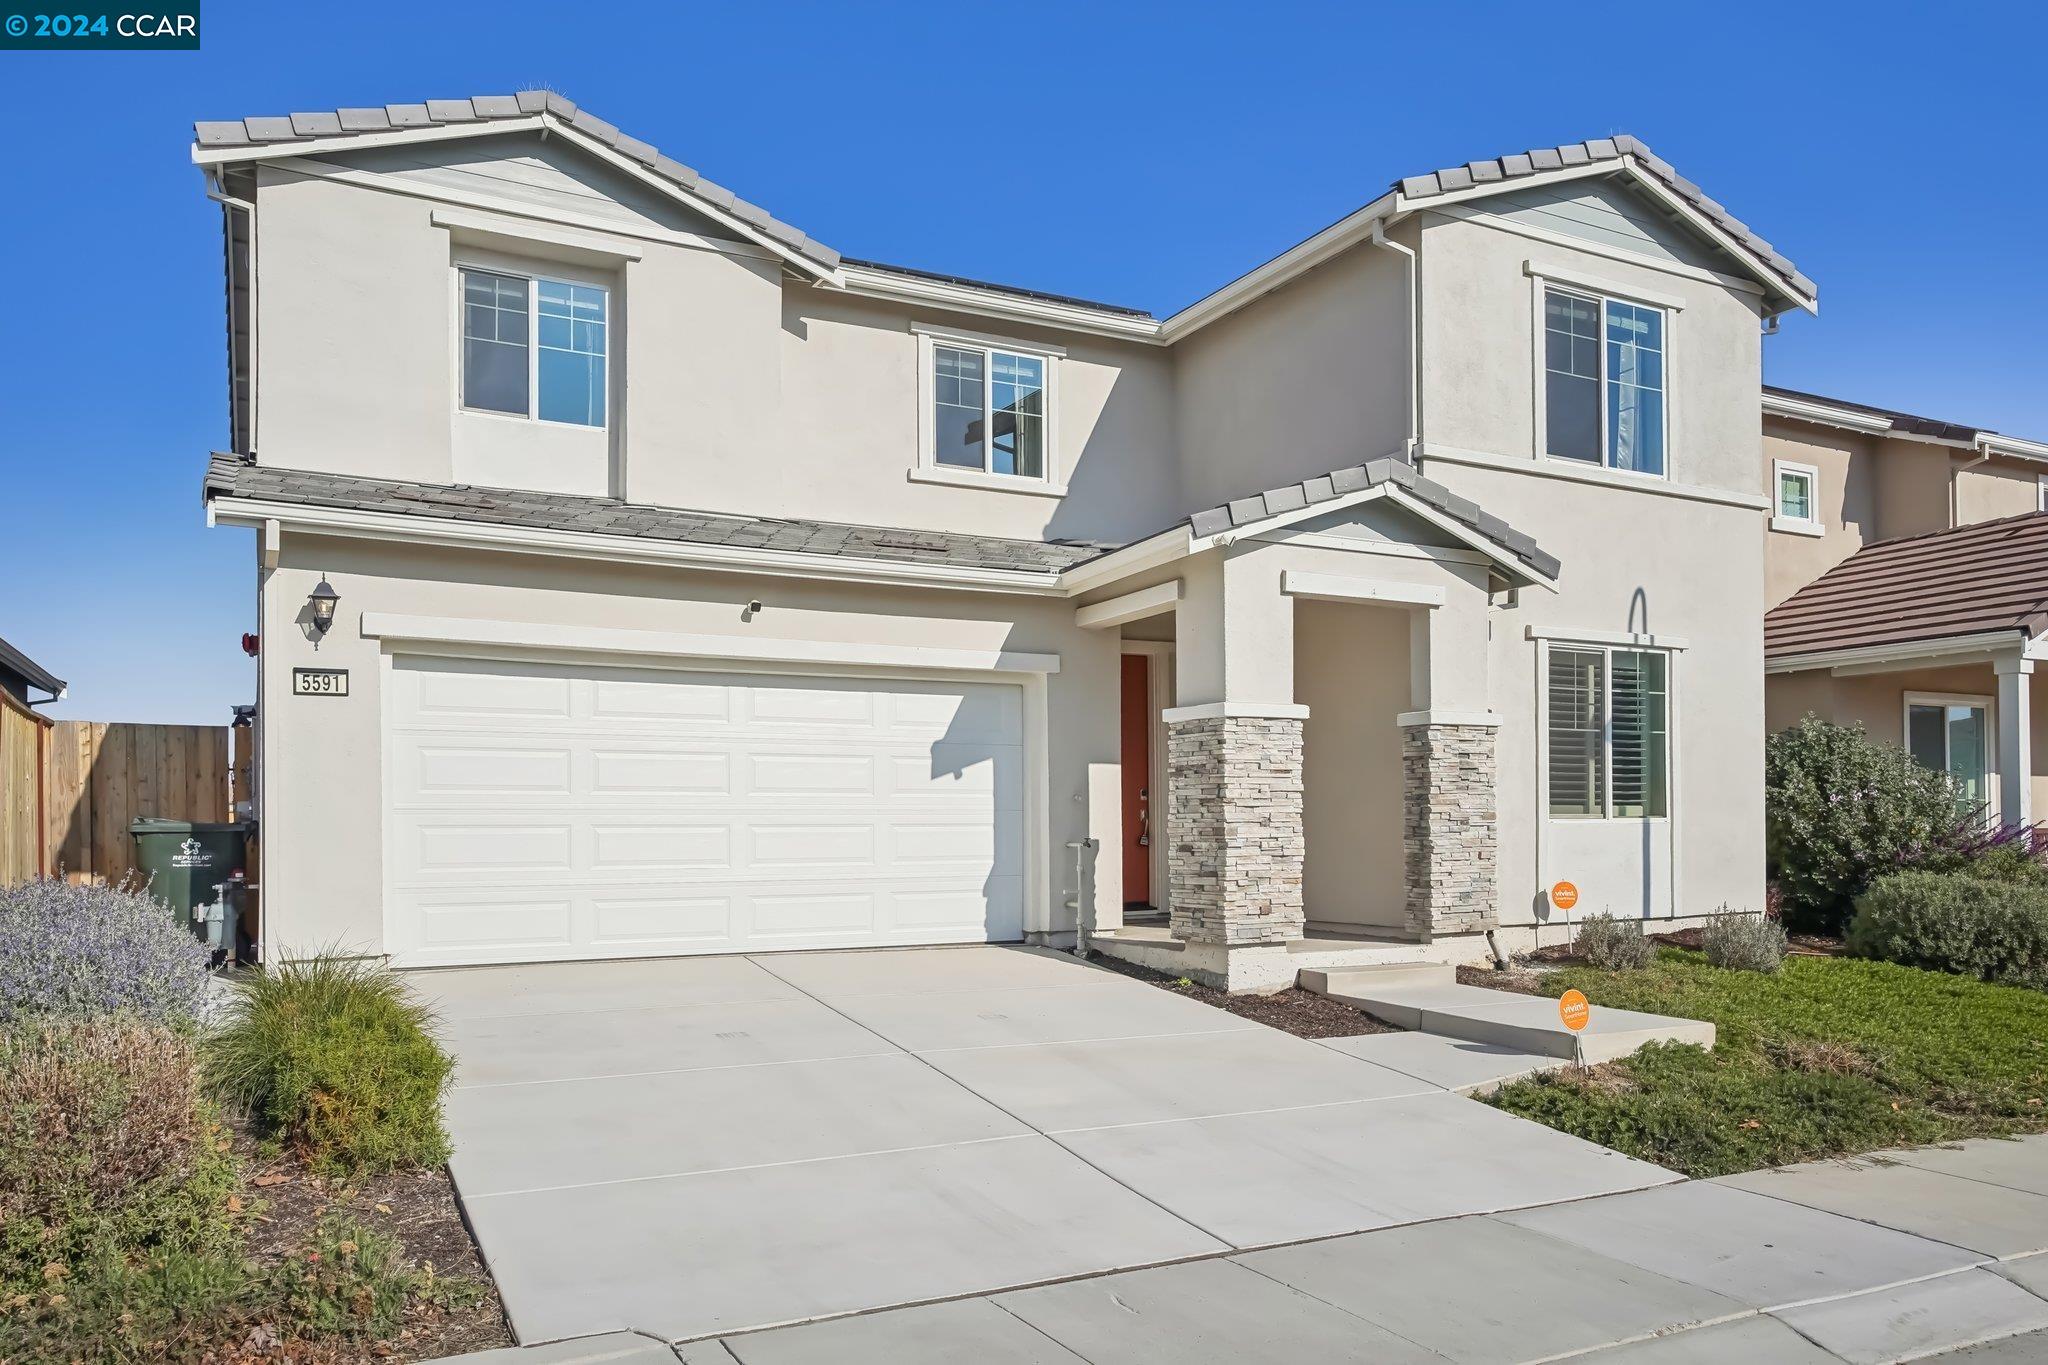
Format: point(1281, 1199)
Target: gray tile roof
point(230, 476)
point(1324, 487)
point(1614, 148)
point(1017, 290)
point(484, 109)
point(1903, 422)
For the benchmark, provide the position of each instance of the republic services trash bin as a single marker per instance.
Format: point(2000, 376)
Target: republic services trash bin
point(195, 870)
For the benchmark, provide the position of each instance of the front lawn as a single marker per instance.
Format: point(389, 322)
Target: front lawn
point(1826, 1057)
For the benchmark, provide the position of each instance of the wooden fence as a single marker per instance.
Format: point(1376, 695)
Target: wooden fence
point(24, 769)
point(92, 778)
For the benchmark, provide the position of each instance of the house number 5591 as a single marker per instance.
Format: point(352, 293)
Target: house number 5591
point(319, 682)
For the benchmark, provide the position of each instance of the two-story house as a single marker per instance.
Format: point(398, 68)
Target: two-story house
point(1907, 570)
point(639, 576)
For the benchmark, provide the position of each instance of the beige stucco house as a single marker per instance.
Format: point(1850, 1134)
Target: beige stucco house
point(695, 589)
point(1906, 561)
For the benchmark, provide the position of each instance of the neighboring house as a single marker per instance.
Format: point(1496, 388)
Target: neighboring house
point(1907, 566)
point(20, 674)
point(699, 590)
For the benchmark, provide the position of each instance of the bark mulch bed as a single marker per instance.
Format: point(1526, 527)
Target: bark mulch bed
point(418, 1209)
point(1301, 1013)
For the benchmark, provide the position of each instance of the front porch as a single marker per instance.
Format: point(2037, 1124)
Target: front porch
point(1308, 768)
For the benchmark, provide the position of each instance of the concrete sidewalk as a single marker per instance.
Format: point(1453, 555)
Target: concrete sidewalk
point(1908, 1256)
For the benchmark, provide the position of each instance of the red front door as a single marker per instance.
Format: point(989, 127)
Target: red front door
point(1137, 762)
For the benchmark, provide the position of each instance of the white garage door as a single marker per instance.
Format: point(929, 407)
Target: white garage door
point(538, 812)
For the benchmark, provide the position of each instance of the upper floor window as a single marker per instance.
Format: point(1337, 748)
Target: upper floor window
point(1609, 724)
point(533, 347)
point(989, 410)
point(1797, 498)
point(1603, 371)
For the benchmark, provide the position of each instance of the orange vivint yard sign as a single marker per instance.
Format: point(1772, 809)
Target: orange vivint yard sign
point(1564, 895)
point(1574, 1009)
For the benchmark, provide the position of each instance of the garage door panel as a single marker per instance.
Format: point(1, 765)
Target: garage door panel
point(615, 812)
point(643, 848)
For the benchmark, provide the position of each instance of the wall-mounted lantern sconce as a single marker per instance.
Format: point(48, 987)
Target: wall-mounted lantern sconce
point(322, 600)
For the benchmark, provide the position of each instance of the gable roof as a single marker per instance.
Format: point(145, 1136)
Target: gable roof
point(1515, 551)
point(238, 139)
point(1982, 579)
point(14, 661)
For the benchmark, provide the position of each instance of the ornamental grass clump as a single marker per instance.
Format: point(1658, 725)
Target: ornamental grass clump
point(1613, 945)
point(336, 1058)
point(81, 952)
point(1744, 943)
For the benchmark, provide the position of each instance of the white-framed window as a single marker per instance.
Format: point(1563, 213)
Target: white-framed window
point(1608, 732)
point(1953, 734)
point(1603, 367)
point(1795, 498)
point(534, 347)
point(987, 412)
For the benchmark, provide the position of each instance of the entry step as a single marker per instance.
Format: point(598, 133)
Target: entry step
point(1428, 999)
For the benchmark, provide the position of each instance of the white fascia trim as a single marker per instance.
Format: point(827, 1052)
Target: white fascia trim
point(1827, 414)
point(1235, 710)
point(1331, 587)
point(493, 225)
point(1546, 467)
point(1488, 719)
point(885, 284)
point(1570, 276)
point(442, 630)
point(1991, 443)
point(414, 530)
point(1329, 540)
point(1132, 606)
point(1904, 654)
point(1149, 553)
point(1626, 639)
point(1346, 232)
point(1762, 269)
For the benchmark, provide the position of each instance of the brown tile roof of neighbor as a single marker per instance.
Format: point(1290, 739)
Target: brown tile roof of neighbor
point(1903, 422)
point(1972, 580)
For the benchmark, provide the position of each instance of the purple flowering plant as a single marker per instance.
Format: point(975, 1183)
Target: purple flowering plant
point(85, 951)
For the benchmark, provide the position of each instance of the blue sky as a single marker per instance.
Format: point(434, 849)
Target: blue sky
point(1138, 153)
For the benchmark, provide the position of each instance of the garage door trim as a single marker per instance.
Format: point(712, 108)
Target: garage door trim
point(1031, 682)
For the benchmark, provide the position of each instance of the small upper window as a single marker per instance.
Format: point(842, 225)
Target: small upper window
point(1796, 505)
point(533, 347)
point(988, 410)
point(1603, 392)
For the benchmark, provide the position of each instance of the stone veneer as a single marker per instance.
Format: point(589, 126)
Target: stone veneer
point(1449, 828)
point(1234, 864)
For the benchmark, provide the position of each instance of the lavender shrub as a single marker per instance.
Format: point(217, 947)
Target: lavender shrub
point(87, 951)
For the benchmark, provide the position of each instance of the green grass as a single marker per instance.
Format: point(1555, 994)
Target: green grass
point(1827, 1057)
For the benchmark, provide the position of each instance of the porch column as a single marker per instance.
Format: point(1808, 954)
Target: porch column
point(1450, 820)
point(1234, 763)
point(2015, 740)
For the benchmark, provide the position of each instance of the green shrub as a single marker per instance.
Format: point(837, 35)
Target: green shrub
point(1841, 811)
point(2013, 861)
point(1614, 944)
point(108, 1153)
point(1744, 943)
point(335, 1057)
point(1994, 931)
point(76, 951)
point(356, 1282)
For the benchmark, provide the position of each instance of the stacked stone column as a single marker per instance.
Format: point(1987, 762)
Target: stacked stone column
point(1234, 864)
point(1449, 828)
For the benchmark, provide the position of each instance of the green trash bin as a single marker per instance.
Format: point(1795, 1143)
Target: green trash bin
point(197, 871)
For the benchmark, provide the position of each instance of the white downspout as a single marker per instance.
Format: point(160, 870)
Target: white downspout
point(216, 190)
point(1380, 238)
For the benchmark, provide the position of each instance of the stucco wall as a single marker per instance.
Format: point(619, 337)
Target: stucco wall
point(322, 757)
point(733, 389)
point(1351, 671)
point(1480, 351)
point(1845, 501)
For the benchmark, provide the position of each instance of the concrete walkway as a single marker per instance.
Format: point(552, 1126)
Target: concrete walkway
point(693, 1147)
point(1868, 1261)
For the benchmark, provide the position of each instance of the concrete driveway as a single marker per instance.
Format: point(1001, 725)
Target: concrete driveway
point(693, 1147)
